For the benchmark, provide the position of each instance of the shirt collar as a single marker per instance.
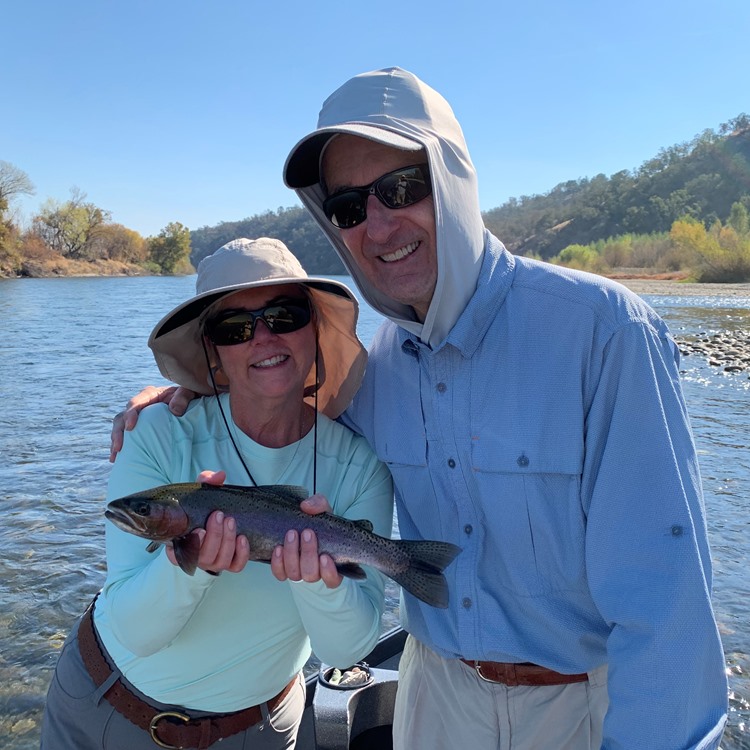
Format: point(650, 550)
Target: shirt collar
point(495, 280)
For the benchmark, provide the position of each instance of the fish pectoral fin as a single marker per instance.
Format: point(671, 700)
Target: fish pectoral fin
point(153, 546)
point(186, 550)
point(363, 523)
point(351, 570)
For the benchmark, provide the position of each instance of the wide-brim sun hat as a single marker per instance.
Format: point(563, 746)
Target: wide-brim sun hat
point(246, 264)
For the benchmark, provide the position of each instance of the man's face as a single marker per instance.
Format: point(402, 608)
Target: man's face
point(395, 248)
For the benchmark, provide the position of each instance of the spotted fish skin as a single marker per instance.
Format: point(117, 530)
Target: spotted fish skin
point(170, 513)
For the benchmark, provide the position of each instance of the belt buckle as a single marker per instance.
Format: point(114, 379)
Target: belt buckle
point(478, 670)
point(158, 718)
point(508, 678)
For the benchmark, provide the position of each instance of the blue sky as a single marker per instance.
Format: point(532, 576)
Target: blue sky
point(185, 110)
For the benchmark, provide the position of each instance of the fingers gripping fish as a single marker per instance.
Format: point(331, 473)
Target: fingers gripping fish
point(171, 513)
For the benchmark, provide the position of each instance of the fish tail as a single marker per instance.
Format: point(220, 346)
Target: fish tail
point(424, 577)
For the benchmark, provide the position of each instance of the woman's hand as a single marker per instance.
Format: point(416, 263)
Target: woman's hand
point(221, 547)
point(176, 397)
point(298, 558)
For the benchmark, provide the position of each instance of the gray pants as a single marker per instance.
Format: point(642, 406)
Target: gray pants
point(78, 717)
point(442, 704)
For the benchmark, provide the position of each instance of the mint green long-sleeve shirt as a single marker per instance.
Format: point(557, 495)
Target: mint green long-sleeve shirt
point(223, 643)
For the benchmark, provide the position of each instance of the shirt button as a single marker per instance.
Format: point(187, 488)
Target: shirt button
point(451, 463)
point(522, 461)
point(676, 530)
point(442, 387)
point(466, 602)
point(468, 528)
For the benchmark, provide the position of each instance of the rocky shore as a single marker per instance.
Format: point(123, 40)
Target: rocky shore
point(727, 350)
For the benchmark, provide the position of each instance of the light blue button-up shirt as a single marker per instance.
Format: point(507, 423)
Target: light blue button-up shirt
point(548, 437)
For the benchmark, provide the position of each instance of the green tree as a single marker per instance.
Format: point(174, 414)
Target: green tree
point(70, 228)
point(581, 257)
point(170, 250)
point(739, 219)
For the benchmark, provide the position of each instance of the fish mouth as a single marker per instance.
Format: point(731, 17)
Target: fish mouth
point(125, 521)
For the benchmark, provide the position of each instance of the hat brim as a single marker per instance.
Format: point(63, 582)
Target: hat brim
point(302, 167)
point(178, 349)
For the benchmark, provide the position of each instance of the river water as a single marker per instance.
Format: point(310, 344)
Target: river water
point(73, 350)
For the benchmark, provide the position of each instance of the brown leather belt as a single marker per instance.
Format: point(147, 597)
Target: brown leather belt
point(169, 729)
point(526, 673)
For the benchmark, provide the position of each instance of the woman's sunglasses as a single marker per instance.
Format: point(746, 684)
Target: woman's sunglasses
point(232, 327)
point(398, 189)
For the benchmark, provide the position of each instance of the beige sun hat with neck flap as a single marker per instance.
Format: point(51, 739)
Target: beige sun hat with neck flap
point(176, 341)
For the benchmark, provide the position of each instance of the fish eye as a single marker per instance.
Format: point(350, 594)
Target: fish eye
point(142, 508)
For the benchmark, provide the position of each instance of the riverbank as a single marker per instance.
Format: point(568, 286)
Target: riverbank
point(727, 351)
point(672, 287)
point(55, 267)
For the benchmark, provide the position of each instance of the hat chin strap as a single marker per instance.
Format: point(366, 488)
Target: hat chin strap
point(221, 410)
point(229, 432)
point(315, 423)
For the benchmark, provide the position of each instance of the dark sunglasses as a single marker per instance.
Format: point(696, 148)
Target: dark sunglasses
point(232, 327)
point(397, 189)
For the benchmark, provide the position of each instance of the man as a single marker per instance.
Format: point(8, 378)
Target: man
point(533, 416)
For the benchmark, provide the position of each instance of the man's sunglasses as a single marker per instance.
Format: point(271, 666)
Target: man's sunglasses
point(397, 189)
point(232, 327)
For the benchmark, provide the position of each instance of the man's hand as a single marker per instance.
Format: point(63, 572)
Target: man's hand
point(298, 559)
point(221, 547)
point(176, 397)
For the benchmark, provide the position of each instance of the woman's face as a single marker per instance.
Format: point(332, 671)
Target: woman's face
point(269, 366)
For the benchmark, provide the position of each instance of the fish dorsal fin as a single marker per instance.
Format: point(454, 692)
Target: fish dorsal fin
point(284, 493)
point(227, 487)
point(290, 494)
point(363, 523)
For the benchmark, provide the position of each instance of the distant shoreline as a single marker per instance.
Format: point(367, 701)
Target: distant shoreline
point(639, 284)
point(673, 288)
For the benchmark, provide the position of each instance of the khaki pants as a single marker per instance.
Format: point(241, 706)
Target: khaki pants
point(442, 704)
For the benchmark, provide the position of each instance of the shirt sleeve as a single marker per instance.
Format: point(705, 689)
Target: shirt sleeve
point(344, 623)
point(145, 588)
point(647, 554)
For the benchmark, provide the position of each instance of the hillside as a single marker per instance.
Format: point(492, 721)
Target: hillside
point(702, 179)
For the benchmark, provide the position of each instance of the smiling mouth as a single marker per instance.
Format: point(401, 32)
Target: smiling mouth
point(272, 361)
point(401, 253)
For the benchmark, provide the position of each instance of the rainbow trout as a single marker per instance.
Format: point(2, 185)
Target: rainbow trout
point(264, 514)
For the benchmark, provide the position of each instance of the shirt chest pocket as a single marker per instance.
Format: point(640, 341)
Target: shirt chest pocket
point(399, 438)
point(532, 518)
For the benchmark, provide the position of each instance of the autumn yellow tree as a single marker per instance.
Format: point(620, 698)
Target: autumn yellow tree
point(13, 182)
point(719, 254)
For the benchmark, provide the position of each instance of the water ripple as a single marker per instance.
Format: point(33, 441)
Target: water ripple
point(60, 385)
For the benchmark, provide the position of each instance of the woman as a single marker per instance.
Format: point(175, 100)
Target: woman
point(181, 661)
